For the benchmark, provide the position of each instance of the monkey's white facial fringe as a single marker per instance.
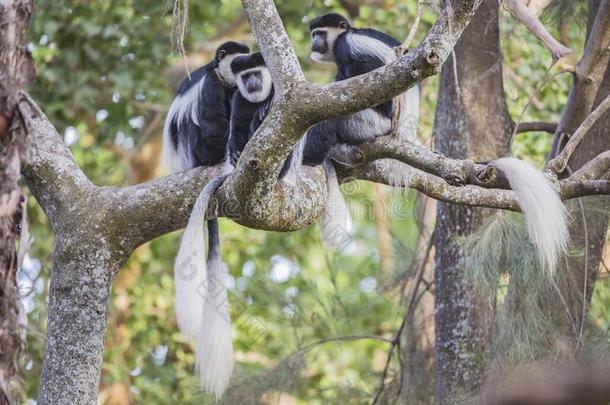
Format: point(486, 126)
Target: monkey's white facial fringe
point(224, 68)
point(214, 350)
point(545, 213)
point(266, 85)
point(336, 223)
point(185, 106)
point(201, 300)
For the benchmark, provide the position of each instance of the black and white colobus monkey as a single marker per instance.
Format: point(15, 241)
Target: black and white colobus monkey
point(358, 51)
point(196, 133)
point(196, 129)
point(250, 106)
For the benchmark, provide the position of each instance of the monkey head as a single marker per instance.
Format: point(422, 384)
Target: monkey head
point(324, 31)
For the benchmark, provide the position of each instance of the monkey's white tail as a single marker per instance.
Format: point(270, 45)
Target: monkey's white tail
point(409, 115)
point(214, 350)
point(545, 214)
point(201, 296)
point(336, 222)
point(296, 165)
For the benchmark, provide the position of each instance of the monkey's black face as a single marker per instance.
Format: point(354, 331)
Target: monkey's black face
point(253, 78)
point(323, 43)
point(324, 32)
point(319, 43)
point(254, 84)
point(252, 81)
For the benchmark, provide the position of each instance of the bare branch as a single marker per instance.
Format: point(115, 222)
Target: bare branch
point(435, 187)
point(588, 76)
point(148, 210)
point(594, 169)
point(527, 17)
point(456, 172)
point(268, 29)
point(559, 163)
point(549, 127)
point(420, 10)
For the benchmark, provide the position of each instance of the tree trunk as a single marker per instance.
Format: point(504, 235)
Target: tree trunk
point(578, 272)
point(16, 70)
point(472, 122)
point(81, 279)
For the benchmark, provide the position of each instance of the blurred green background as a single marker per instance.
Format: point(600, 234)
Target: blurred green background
point(106, 74)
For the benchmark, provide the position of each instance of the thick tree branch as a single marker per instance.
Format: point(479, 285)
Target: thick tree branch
point(268, 29)
point(456, 172)
point(16, 71)
point(305, 104)
point(48, 166)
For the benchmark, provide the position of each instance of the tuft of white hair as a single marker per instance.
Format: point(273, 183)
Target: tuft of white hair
point(214, 357)
point(336, 223)
point(409, 115)
point(185, 106)
point(545, 213)
point(295, 171)
point(399, 174)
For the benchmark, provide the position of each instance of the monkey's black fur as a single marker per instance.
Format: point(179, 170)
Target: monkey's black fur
point(201, 134)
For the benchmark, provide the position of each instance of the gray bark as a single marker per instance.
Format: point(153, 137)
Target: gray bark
point(16, 70)
point(588, 230)
point(472, 122)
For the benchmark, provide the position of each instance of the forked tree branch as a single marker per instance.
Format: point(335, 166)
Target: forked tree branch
point(559, 163)
point(270, 35)
point(588, 76)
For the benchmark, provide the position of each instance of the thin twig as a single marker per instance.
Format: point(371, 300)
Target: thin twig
point(413, 31)
point(534, 95)
point(549, 127)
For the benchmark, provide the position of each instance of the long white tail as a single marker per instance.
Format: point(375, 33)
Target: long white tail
point(214, 350)
point(545, 214)
point(336, 222)
point(201, 296)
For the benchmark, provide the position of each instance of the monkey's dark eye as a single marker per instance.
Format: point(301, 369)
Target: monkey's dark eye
point(221, 54)
point(343, 25)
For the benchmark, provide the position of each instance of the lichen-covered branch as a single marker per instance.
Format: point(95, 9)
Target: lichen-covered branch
point(268, 29)
point(588, 76)
point(305, 104)
point(59, 185)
